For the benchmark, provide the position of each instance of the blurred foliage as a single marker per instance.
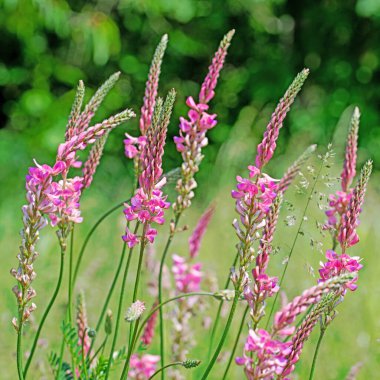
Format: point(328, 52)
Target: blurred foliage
point(48, 45)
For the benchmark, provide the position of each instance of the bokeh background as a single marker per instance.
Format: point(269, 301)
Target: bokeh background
point(46, 46)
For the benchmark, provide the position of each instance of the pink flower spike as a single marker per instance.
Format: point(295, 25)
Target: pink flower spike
point(197, 235)
point(209, 84)
point(349, 167)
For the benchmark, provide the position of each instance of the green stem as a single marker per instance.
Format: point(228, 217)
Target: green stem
point(161, 315)
point(224, 336)
point(217, 317)
point(70, 288)
point(109, 295)
point(138, 332)
point(19, 349)
point(90, 233)
point(120, 306)
point(101, 348)
point(316, 354)
point(139, 266)
point(163, 368)
point(309, 198)
point(236, 343)
point(50, 305)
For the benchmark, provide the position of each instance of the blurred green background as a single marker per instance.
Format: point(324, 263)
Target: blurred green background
point(47, 46)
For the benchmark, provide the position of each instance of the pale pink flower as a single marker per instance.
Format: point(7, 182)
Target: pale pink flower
point(143, 367)
point(197, 235)
point(187, 276)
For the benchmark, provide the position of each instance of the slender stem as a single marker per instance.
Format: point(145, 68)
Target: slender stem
point(90, 233)
point(84, 367)
point(217, 317)
point(224, 336)
point(316, 353)
point(236, 343)
point(50, 305)
point(19, 349)
point(139, 266)
point(70, 288)
point(109, 295)
point(137, 332)
point(295, 241)
point(163, 368)
point(101, 347)
point(120, 306)
point(130, 351)
point(161, 315)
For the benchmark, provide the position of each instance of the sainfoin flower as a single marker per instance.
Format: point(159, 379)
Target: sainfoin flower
point(143, 367)
point(133, 146)
point(254, 195)
point(192, 131)
point(187, 276)
point(271, 355)
point(197, 235)
point(51, 193)
point(149, 202)
point(347, 234)
point(339, 202)
point(339, 264)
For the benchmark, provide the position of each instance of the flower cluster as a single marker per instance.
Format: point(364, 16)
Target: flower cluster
point(339, 264)
point(133, 146)
point(50, 192)
point(192, 134)
point(274, 357)
point(187, 276)
point(339, 202)
point(143, 367)
point(271, 355)
point(149, 202)
point(254, 197)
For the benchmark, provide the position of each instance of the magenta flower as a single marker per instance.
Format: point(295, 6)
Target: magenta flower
point(133, 145)
point(192, 131)
point(338, 204)
point(339, 264)
point(143, 367)
point(271, 355)
point(187, 276)
point(148, 204)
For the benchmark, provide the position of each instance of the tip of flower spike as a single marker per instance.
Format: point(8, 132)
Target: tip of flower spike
point(356, 113)
point(190, 363)
point(311, 148)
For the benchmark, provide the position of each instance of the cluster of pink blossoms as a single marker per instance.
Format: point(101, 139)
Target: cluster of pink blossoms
point(143, 367)
point(339, 264)
point(271, 353)
point(197, 116)
point(146, 209)
point(187, 276)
